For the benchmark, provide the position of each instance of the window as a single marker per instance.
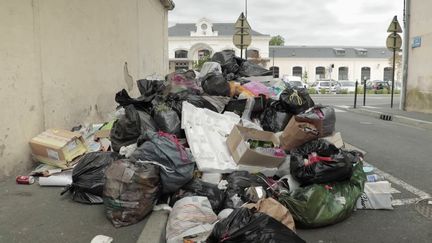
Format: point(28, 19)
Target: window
point(275, 71)
point(365, 73)
point(203, 53)
point(388, 73)
point(339, 51)
point(361, 51)
point(320, 72)
point(297, 71)
point(252, 54)
point(181, 65)
point(343, 73)
point(181, 54)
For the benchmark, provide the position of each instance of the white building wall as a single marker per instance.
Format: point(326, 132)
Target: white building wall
point(217, 44)
point(61, 63)
point(354, 67)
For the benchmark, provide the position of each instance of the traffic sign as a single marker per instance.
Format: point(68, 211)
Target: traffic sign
point(242, 22)
point(394, 42)
point(237, 39)
point(394, 26)
point(242, 37)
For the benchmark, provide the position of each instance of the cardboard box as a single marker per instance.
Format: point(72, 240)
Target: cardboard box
point(58, 147)
point(242, 154)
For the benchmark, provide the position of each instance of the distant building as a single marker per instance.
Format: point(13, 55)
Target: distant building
point(338, 63)
point(188, 42)
point(419, 53)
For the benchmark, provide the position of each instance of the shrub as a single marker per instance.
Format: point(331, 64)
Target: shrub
point(323, 91)
point(312, 91)
point(344, 91)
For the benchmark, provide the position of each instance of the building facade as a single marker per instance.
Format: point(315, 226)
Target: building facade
point(418, 55)
point(61, 63)
point(189, 42)
point(339, 63)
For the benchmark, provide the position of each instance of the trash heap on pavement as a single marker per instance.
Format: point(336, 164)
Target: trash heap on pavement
point(238, 155)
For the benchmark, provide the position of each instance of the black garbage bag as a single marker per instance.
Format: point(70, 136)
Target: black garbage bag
point(319, 161)
point(167, 120)
point(175, 101)
point(238, 105)
point(228, 62)
point(274, 118)
point(248, 69)
point(322, 117)
point(197, 187)
point(238, 181)
point(219, 102)
point(296, 101)
point(149, 89)
point(127, 129)
point(130, 192)
point(88, 177)
point(215, 84)
point(243, 225)
point(177, 164)
point(141, 103)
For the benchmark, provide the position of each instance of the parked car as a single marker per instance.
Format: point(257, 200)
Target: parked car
point(349, 86)
point(377, 85)
point(323, 86)
point(294, 81)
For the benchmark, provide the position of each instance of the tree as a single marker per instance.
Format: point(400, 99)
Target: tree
point(277, 41)
point(198, 64)
point(305, 77)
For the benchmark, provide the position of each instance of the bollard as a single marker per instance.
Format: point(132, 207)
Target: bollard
point(355, 95)
point(364, 92)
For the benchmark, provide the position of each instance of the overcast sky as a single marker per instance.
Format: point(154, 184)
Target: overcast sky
point(302, 22)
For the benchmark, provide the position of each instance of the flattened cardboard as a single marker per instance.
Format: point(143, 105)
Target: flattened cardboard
point(241, 152)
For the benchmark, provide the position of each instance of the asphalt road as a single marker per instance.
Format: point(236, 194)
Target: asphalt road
point(401, 150)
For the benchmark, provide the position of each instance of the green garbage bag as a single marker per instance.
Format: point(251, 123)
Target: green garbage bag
point(319, 205)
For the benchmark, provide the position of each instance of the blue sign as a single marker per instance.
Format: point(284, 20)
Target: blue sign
point(416, 42)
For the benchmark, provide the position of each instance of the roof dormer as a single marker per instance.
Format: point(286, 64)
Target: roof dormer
point(204, 28)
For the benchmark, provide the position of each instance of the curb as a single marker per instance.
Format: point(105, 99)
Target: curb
point(391, 117)
point(154, 229)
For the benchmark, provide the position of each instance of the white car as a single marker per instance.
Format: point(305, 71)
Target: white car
point(349, 86)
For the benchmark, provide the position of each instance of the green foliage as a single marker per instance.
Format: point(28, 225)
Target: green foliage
point(369, 91)
point(344, 91)
point(305, 77)
point(360, 90)
point(397, 91)
point(385, 91)
point(312, 91)
point(198, 64)
point(323, 91)
point(277, 41)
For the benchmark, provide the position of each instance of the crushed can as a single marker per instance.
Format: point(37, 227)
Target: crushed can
point(26, 180)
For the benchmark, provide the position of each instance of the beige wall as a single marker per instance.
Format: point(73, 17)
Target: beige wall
point(419, 84)
point(61, 63)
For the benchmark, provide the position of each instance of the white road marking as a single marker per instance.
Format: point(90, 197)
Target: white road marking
point(407, 201)
point(397, 202)
point(343, 106)
point(337, 110)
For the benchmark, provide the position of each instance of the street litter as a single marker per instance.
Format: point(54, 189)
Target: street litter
point(236, 153)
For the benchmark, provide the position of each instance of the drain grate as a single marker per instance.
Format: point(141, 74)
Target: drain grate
point(386, 117)
point(424, 207)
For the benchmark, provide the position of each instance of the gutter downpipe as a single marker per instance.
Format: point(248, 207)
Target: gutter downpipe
point(407, 15)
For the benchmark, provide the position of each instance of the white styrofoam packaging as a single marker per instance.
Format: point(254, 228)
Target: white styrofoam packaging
point(376, 195)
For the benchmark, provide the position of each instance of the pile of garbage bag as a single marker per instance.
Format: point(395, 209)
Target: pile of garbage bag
point(236, 153)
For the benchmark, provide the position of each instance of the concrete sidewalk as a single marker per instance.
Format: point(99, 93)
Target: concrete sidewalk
point(418, 119)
